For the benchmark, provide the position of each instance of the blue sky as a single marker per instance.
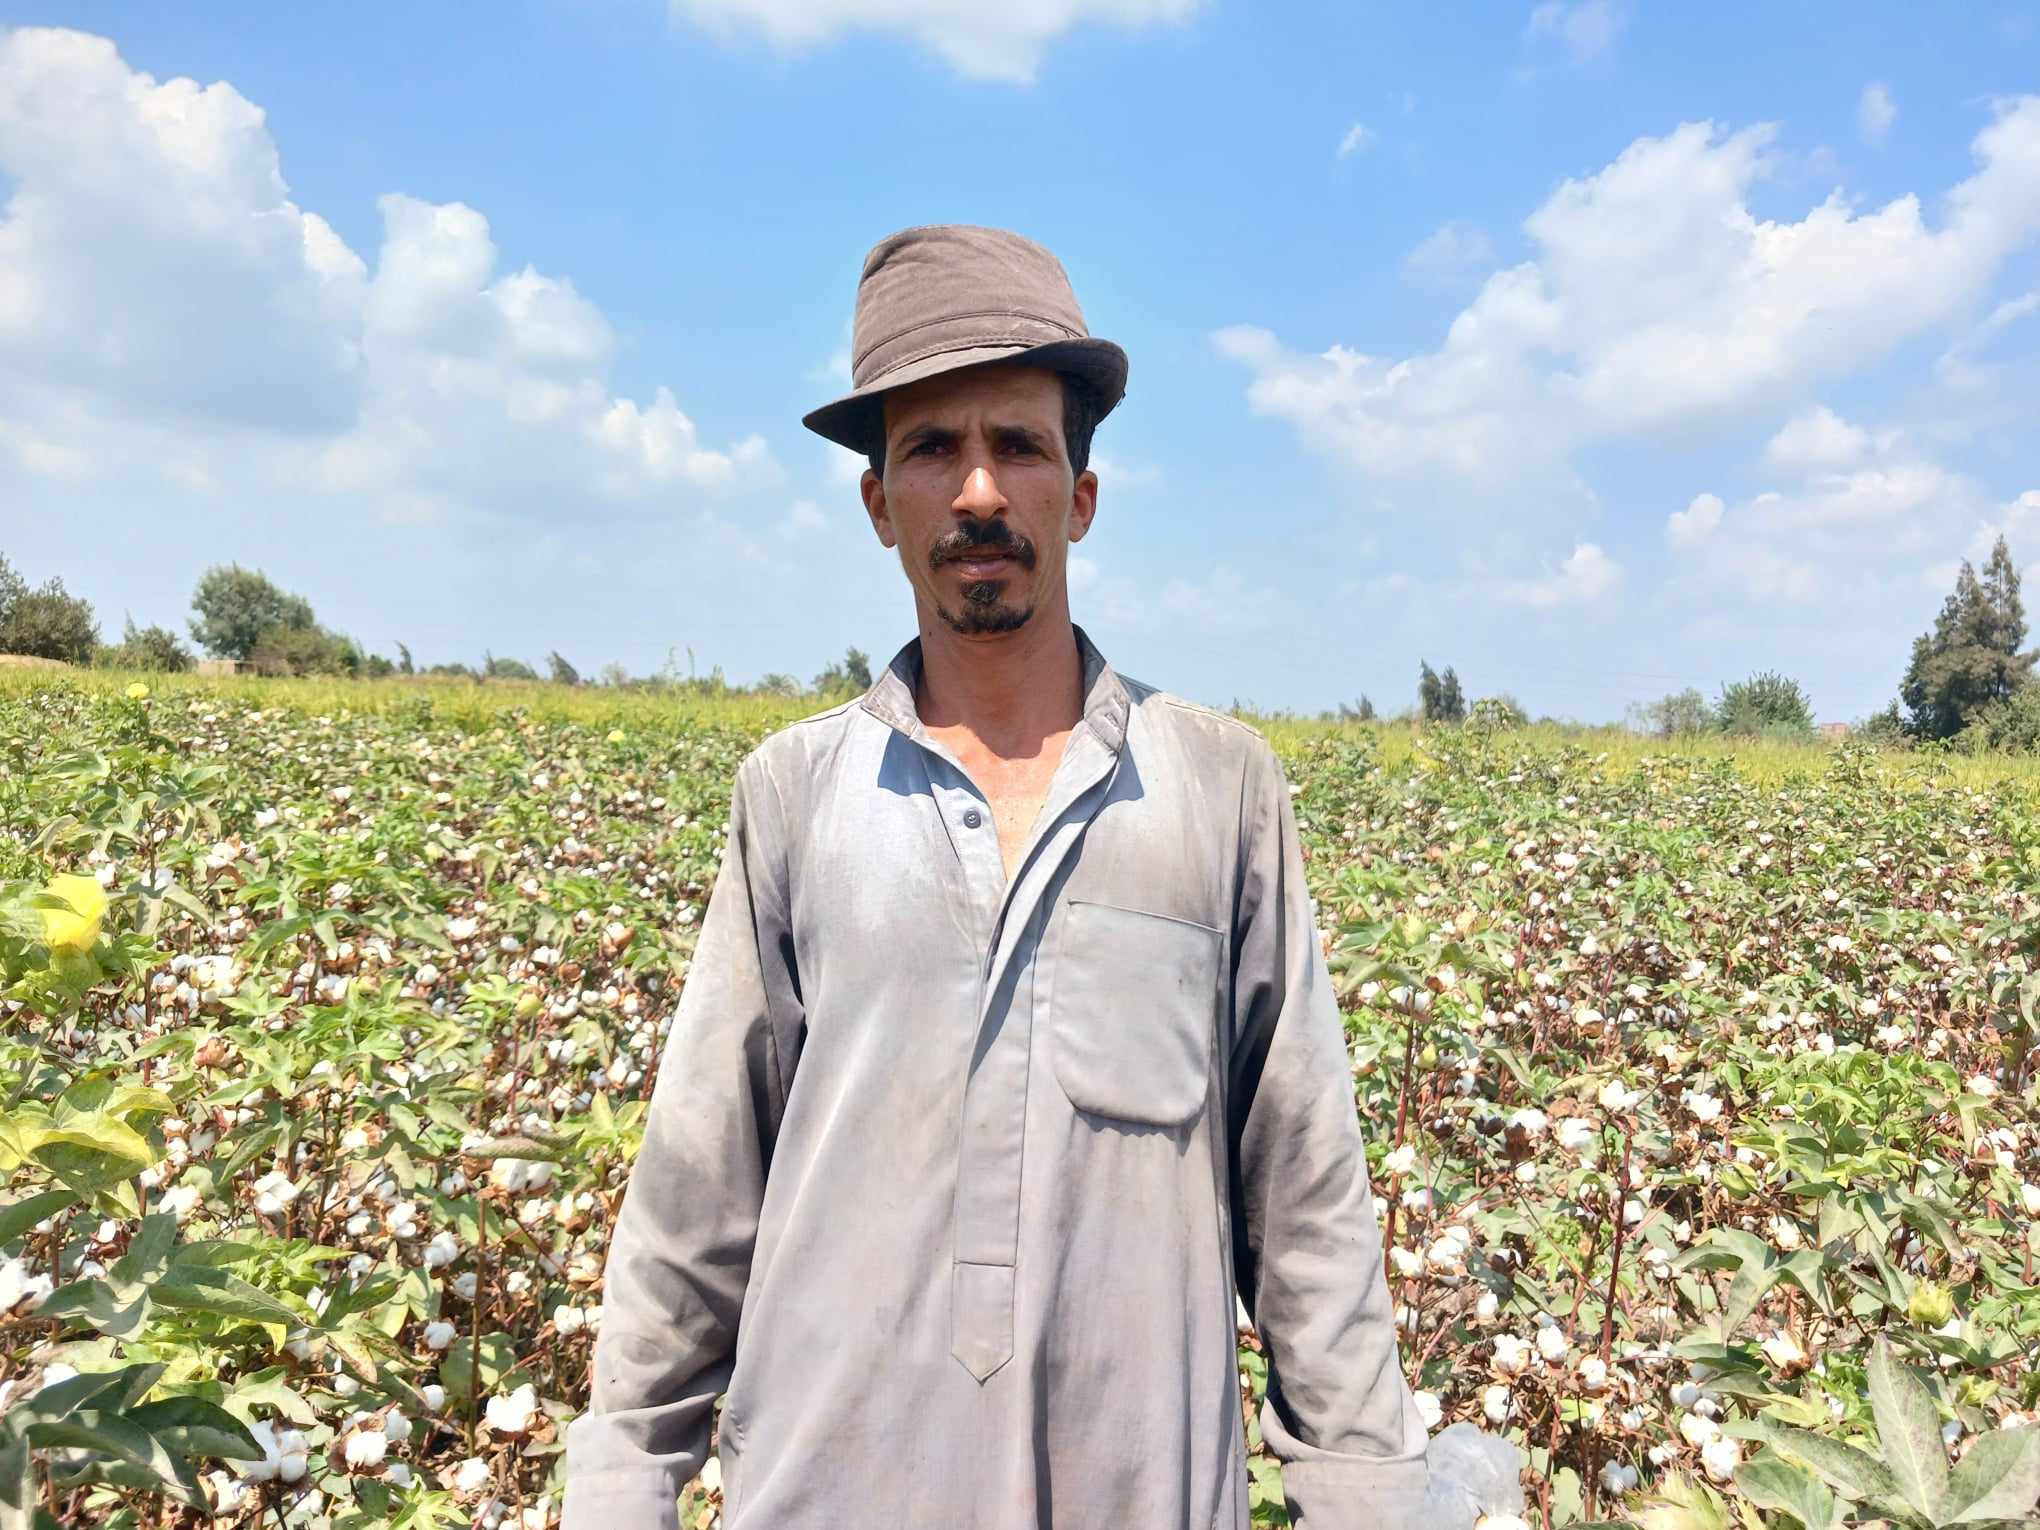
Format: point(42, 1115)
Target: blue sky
point(1595, 350)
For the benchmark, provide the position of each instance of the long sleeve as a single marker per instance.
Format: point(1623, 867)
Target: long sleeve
point(1307, 1251)
point(680, 1256)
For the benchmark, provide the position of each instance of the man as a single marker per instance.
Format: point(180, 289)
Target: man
point(1008, 1054)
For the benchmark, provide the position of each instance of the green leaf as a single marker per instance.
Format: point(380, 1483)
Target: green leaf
point(21, 1215)
point(17, 1486)
point(458, 1370)
point(1772, 1482)
point(150, 1250)
point(1744, 1293)
point(1849, 1471)
point(118, 1315)
point(95, 1389)
point(1998, 1479)
point(193, 1427)
point(200, 1288)
point(1909, 1430)
point(111, 1435)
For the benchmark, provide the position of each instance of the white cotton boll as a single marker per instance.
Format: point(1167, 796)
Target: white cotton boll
point(472, 1475)
point(1400, 1160)
point(1594, 1373)
point(397, 1474)
point(264, 1470)
point(1406, 1262)
point(514, 1414)
point(465, 1285)
point(396, 1427)
point(359, 1224)
point(1512, 1355)
point(1618, 1478)
point(569, 1319)
point(346, 1386)
point(442, 1250)
point(1721, 1457)
point(1575, 1133)
point(180, 1201)
point(365, 1448)
point(1429, 1408)
point(1486, 1308)
point(1617, 1096)
point(1552, 1343)
point(1698, 1429)
point(439, 1335)
point(433, 1395)
point(273, 1192)
point(1501, 1522)
point(1497, 1402)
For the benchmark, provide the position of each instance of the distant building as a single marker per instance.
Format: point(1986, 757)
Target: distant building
point(1834, 732)
point(224, 667)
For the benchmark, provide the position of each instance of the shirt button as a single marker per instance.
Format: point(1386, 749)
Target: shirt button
point(972, 818)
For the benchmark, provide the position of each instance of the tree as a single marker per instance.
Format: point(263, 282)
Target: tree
point(47, 623)
point(283, 649)
point(1672, 715)
point(1452, 704)
point(1764, 703)
point(237, 606)
point(155, 649)
point(1430, 691)
point(615, 676)
point(404, 660)
point(1971, 660)
point(563, 673)
point(851, 673)
point(494, 668)
point(12, 588)
point(1360, 711)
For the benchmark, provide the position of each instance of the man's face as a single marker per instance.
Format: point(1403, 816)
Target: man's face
point(978, 495)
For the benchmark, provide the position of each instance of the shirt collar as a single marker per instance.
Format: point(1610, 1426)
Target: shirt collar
point(1106, 703)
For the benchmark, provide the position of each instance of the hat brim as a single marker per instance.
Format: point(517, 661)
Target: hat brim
point(857, 420)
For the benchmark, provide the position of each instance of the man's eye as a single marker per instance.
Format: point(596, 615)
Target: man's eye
point(919, 447)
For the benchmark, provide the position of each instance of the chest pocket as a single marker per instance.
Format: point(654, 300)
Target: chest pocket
point(1133, 1011)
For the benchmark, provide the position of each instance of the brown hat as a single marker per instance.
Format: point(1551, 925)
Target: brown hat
point(950, 295)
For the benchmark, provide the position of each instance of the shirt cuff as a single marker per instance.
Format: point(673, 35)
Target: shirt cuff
point(621, 1500)
point(1357, 1495)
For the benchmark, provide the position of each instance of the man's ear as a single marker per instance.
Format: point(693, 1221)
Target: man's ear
point(872, 487)
point(1083, 504)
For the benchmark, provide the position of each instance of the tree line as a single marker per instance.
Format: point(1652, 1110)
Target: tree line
point(1970, 680)
point(240, 614)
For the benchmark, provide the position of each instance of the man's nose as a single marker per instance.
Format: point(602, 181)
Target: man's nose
point(980, 495)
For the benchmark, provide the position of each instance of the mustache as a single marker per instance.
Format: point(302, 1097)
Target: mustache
point(974, 537)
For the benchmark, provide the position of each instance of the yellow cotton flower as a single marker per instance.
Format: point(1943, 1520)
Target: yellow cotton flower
point(138, 692)
point(74, 929)
point(616, 735)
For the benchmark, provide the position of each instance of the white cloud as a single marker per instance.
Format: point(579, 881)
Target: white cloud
point(164, 303)
point(1584, 28)
point(1587, 574)
point(1819, 438)
point(1659, 300)
point(1005, 41)
point(1875, 112)
point(1833, 542)
point(1452, 253)
point(1697, 522)
point(1359, 136)
point(1222, 601)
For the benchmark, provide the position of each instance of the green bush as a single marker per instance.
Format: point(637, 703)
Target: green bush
point(2006, 727)
point(48, 623)
point(155, 649)
point(1767, 705)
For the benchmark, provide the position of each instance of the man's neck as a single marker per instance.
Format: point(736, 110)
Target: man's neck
point(1009, 691)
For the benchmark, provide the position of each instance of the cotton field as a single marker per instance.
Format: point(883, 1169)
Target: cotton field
point(1701, 1104)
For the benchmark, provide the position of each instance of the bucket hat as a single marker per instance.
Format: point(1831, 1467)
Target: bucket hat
point(948, 295)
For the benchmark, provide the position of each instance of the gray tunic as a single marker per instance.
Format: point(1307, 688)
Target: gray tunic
point(951, 1184)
